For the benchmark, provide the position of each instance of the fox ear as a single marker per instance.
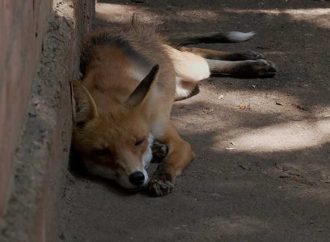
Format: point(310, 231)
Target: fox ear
point(143, 88)
point(84, 107)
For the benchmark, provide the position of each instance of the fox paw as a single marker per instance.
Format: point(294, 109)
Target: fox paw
point(252, 55)
point(160, 185)
point(159, 152)
point(264, 68)
point(257, 68)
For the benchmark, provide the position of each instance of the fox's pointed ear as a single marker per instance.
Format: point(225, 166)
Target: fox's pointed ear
point(84, 107)
point(143, 88)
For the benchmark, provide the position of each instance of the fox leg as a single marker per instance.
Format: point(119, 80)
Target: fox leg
point(230, 37)
point(245, 69)
point(185, 89)
point(190, 69)
point(223, 55)
point(236, 64)
point(179, 155)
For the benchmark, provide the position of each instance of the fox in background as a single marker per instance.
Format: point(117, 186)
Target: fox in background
point(131, 78)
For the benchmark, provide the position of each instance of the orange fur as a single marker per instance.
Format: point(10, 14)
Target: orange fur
point(117, 138)
point(131, 80)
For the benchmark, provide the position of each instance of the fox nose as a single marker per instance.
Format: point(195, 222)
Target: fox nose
point(137, 178)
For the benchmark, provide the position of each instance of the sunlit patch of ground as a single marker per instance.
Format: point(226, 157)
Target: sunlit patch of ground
point(293, 135)
point(317, 16)
point(120, 13)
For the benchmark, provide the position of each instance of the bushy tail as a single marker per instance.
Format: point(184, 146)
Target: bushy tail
point(230, 37)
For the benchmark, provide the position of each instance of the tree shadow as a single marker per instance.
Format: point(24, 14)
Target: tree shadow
point(229, 193)
point(299, 71)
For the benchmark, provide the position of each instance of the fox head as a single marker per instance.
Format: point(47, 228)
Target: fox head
point(116, 143)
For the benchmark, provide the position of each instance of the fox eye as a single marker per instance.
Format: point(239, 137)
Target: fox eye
point(139, 142)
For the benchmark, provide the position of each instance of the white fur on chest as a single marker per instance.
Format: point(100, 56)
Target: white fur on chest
point(147, 156)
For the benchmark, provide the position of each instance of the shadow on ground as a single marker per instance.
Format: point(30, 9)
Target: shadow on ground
point(262, 170)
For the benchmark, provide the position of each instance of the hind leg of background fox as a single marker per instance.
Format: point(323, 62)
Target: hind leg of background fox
point(192, 68)
point(238, 64)
point(179, 156)
point(245, 69)
point(223, 55)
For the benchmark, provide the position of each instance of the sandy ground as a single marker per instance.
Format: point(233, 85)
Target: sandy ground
point(262, 171)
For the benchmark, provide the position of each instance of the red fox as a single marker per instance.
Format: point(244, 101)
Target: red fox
point(131, 78)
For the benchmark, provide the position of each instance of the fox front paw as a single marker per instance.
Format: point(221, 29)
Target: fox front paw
point(160, 185)
point(159, 152)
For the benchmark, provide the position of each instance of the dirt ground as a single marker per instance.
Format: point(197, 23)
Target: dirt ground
point(262, 171)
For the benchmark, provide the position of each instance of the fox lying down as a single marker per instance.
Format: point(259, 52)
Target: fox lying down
point(131, 78)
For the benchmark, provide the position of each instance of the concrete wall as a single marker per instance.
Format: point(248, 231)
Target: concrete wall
point(40, 48)
point(22, 25)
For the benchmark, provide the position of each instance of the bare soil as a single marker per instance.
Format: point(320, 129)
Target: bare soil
point(262, 171)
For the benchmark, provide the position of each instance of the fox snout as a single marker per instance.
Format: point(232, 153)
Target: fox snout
point(137, 178)
point(134, 181)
